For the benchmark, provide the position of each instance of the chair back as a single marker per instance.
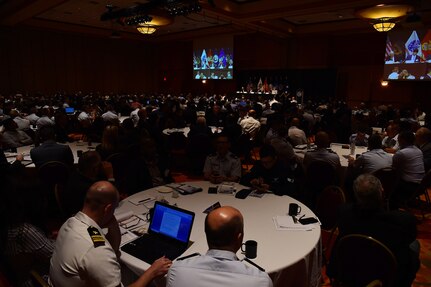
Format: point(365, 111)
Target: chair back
point(318, 176)
point(53, 172)
point(327, 206)
point(361, 259)
point(388, 178)
point(120, 162)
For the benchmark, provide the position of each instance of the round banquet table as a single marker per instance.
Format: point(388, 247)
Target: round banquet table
point(291, 258)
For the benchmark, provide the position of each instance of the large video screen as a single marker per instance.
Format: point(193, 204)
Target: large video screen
point(213, 58)
point(408, 55)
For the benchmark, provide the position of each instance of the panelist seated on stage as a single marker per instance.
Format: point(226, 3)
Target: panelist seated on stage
point(84, 255)
point(224, 229)
point(50, 150)
point(223, 165)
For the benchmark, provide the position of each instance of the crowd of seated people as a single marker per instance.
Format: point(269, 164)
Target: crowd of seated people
point(134, 153)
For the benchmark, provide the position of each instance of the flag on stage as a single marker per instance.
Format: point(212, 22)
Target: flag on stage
point(260, 85)
point(265, 85)
point(413, 43)
point(426, 46)
point(389, 47)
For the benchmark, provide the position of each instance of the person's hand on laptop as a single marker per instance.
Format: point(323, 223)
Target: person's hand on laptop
point(160, 267)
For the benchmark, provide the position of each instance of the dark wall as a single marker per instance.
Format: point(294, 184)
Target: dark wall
point(35, 60)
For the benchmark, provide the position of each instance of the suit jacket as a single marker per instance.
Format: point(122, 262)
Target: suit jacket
point(51, 151)
point(417, 59)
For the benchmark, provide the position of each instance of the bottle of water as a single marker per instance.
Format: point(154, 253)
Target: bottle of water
point(352, 148)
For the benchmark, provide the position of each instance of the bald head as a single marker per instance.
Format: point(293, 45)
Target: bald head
point(99, 195)
point(224, 228)
point(423, 136)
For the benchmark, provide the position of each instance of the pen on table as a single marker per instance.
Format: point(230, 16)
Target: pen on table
point(144, 200)
point(301, 217)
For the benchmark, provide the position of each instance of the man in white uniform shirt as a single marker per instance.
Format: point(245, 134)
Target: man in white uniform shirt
point(408, 163)
point(84, 256)
point(224, 229)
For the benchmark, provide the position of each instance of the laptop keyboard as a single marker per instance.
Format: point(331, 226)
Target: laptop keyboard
point(149, 249)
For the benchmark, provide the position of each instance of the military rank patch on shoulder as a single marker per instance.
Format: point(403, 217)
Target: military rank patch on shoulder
point(96, 237)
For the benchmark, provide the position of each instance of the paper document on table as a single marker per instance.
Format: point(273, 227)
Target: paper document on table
point(287, 223)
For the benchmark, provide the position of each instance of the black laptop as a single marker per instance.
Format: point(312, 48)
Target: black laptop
point(168, 234)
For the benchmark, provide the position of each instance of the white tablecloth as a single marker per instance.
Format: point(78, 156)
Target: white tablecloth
point(292, 258)
point(74, 146)
point(186, 130)
point(343, 153)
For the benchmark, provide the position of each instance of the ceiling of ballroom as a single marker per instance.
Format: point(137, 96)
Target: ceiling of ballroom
point(279, 18)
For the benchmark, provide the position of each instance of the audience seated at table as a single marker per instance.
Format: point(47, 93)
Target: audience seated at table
point(408, 163)
point(224, 229)
point(110, 142)
point(90, 169)
point(6, 168)
point(50, 150)
point(45, 118)
point(372, 160)
point(360, 138)
point(12, 137)
point(390, 141)
point(22, 123)
point(270, 174)
point(223, 165)
point(423, 141)
point(84, 256)
point(296, 135)
point(322, 153)
point(395, 229)
point(24, 246)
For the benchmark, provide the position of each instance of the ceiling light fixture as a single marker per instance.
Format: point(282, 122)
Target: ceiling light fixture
point(383, 17)
point(383, 24)
point(146, 29)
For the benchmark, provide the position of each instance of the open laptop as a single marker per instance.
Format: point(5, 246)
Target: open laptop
point(168, 234)
point(69, 110)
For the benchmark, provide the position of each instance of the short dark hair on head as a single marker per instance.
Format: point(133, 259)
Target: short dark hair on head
point(225, 235)
point(88, 160)
point(46, 133)
point(407, 136)
point(375, 141)
point(368, 192)
point(267, 150)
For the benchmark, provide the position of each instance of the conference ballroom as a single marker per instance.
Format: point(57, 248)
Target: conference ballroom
point(215, 143)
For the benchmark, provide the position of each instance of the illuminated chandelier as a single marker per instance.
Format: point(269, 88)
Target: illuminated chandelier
point(146, 29)
point(383, 24)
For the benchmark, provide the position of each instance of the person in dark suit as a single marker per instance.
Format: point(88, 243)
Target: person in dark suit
point(413, 58)
point(396, 229)
point(50, 150)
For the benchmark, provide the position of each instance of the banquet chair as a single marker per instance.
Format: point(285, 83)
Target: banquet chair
point(362, 260)
point(52, 173)
point(120, 162)
point(387, 177)
point(423, 191)
point(328, 202)
point(318, 175)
